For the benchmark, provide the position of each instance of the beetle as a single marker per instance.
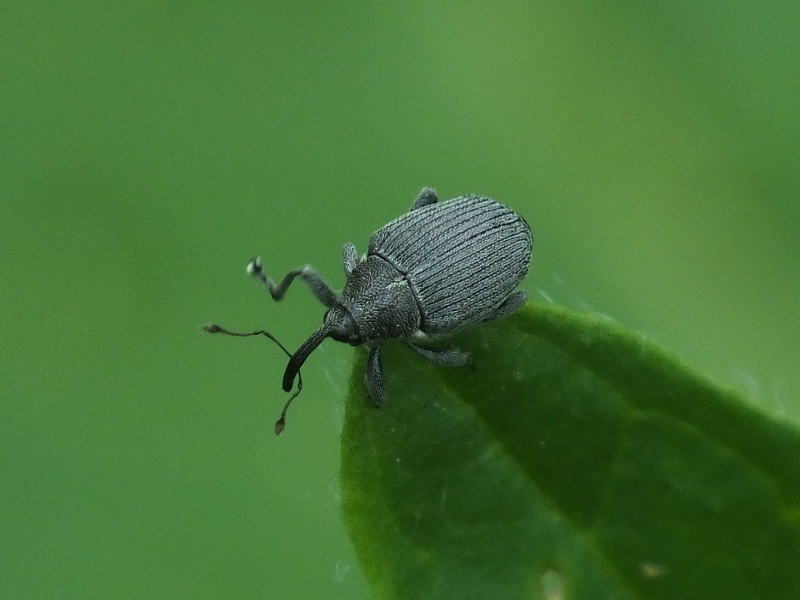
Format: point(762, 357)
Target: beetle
point(429, 273)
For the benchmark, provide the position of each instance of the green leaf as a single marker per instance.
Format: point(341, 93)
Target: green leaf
point(574, 460)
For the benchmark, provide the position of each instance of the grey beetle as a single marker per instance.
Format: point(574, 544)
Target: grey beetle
point(431, 272)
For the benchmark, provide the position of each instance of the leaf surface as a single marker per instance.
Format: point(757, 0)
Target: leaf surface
point(572, 460)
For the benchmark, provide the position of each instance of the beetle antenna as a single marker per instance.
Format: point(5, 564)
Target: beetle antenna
point(281, 422)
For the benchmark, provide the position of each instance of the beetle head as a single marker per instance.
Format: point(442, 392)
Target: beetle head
point(342, 326)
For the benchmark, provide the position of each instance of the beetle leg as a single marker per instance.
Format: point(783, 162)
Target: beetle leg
point(321, 290)
point(350, 258)
point(509, 305)
point(373, 377)
point(426, 196)
point(449, 357)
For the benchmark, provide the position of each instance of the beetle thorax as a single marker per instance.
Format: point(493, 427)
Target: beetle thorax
point(380, 301)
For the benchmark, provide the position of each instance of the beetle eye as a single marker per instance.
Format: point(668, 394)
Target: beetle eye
point(340, 336)
point(325, 316)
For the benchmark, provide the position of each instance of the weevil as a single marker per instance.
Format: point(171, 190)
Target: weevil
point(429, 273)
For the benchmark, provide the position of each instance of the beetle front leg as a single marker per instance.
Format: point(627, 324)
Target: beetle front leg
point(321, 290)
point(426, 196)
point(349, 259)
point(373, 377)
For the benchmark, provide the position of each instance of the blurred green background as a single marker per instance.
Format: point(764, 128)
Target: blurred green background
point(148, 150)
